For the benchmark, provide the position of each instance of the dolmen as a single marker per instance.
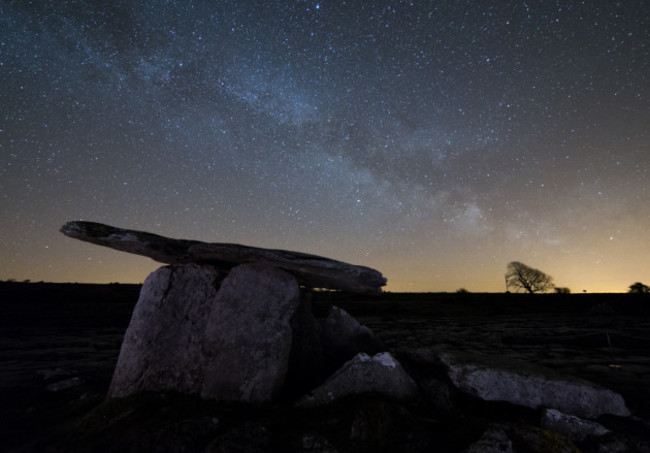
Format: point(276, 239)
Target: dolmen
point(230, 322)
point(233, 323)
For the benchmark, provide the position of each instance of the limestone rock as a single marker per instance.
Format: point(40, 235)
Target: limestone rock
point(430, 375)
point(64, 385)
point(538, 440)
point(248, 335)
point(248, 437)
point(512, 438)
point(440, 395)
point(343, 337)
point(306, 362)
point(372, 427)
point(575, 428)
point(494, 378)
point(162, 348)
point(364, 374)
point(311, 270)
point(494, 440)
point(315, 443)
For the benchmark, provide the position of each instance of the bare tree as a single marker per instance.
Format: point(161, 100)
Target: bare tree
point(639, 288)
point(522, 277)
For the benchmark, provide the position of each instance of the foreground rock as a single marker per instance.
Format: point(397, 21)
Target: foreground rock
point(494, 440)
point(364, 374)
point(342, 337)
point(493, 378)
point(310, 270)
point(508, 438)
point(575, 428)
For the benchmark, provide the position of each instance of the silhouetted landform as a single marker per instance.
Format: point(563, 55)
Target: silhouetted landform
point(63, 305)
point(60, 344)
point(310, 270)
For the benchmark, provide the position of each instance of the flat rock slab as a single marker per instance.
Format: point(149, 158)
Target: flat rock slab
point(381, 373)
point(495, 378)
point(310, 270)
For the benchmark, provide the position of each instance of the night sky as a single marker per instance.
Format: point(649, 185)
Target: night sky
point(433, 141)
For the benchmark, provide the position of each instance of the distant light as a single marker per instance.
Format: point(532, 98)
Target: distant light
point(317, 5)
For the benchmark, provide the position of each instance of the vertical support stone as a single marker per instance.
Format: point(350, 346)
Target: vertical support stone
point(162, 348)
point(248, 338)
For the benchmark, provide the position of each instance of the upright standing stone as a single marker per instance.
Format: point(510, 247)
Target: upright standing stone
point(248, 337)
point(306, 363)
point(343, 337)
point(162, 348)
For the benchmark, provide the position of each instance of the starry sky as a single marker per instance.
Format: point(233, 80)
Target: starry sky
point(433, 141)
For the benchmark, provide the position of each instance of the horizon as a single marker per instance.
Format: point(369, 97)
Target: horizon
point(384, 291)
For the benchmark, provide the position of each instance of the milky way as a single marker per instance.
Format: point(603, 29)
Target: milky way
point(435, 143)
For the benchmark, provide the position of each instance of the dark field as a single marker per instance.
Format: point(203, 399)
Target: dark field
point(60, 342)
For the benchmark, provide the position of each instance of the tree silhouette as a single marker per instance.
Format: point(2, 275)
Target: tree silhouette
point(639, 288)
point(522, 277)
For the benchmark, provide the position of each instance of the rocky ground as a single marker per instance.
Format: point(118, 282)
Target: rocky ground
point(59, 345)
point(606, 342)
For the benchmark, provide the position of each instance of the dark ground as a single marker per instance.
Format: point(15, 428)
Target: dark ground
point(59, 344)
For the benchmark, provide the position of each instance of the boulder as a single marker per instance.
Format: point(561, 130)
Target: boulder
point(512, 438)
point(440, 395)
point(495, 378)
point(364, 374)
point(372, 427)
point(533, 439)
point(64, 385)
point(248, 335)
point(247, 437)
point(306, 363)
point(342, 337)
point(575, 428)
point(315, 443)
point(163, 346)
point(494, 440)
point(431, 377)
